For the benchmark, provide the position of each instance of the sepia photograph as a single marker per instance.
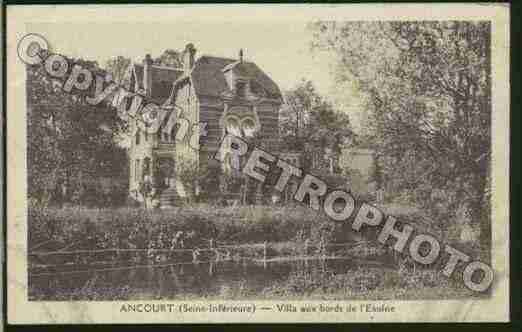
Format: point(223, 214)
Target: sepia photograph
point(257, 165)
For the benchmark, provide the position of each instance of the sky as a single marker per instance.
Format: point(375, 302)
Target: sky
point(280, 48)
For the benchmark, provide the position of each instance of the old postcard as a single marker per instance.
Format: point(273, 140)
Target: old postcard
point(257, 163)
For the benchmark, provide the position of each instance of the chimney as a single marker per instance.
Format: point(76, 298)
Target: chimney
point(147, 75)
point(188, 57)
point(241, 55)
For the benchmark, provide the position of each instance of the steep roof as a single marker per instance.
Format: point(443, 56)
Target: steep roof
point(209, 79)
point(162, 79)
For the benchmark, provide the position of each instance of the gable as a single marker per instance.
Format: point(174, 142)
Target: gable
point(162, 80)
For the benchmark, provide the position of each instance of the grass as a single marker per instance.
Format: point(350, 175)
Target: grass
point(369, 284)
point(362, 284)
point(114, 226)
point(285, 228)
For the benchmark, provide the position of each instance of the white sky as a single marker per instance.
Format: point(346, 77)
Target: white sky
point(281, 49)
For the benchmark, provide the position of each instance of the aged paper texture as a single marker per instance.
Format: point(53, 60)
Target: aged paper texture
point(257, 163)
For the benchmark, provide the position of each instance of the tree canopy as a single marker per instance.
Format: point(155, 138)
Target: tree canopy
point(68, 140)
point(169, 58)
point(308, 121)
point(117, 66)
point(428, 88)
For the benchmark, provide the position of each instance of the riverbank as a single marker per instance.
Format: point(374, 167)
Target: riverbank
point(273, 252)
point(231, 281)
point(106, 227)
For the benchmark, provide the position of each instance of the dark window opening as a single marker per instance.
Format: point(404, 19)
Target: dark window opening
point(138, 137)
point(241, 88)
point(146, 166)
point(174, 131)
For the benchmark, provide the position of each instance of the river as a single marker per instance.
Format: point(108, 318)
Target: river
point(178, 281)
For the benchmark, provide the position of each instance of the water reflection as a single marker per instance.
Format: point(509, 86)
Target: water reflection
point(180, 281)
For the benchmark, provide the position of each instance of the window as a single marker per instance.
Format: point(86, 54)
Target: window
point(173, 133)
point(241, 88)
point(138, 137)
point(146, 166)
point(137, 170)
point(232, 127)
point(248, 127)
point(245, 128)
point(232, 163)
point(257, 89)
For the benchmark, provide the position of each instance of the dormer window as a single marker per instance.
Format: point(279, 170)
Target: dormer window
point(256, 89)
point(241, 88)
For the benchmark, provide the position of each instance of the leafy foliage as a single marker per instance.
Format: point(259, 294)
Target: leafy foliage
point(169, 58)
point(428, 89)
point(309, 122)
point(117, 67)
point(69, 142)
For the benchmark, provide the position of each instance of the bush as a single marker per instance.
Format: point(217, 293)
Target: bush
point(141, 227)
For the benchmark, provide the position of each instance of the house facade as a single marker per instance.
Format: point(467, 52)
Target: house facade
point(227, 95)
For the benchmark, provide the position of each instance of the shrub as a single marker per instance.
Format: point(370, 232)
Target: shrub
point(141, 227)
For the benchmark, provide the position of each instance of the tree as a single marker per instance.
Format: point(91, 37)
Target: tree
point(117, 67)
point(68, 141)
point(169, 58)
point(308, 121)
point(296, 110)
point(428, 88)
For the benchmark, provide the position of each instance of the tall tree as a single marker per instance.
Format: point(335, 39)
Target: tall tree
point(68, 140)
point(117, 66)
point(308, 121)
point(429, 91)
point(169, 58)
